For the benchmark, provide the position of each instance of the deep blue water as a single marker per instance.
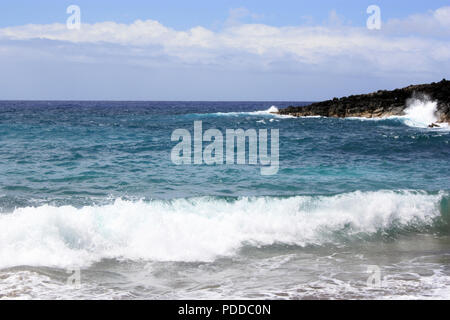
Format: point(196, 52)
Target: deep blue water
point(74, 152)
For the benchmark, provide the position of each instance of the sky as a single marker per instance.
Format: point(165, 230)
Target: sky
point(219, 50)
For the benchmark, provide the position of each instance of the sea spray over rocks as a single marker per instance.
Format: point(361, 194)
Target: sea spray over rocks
point(379, 104)
point(421, 112)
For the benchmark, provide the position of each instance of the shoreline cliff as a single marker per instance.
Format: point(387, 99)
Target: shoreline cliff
point(382, 103)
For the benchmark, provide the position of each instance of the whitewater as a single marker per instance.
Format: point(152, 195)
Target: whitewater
point(202, 229)
point(419, 113)
point(91, 186)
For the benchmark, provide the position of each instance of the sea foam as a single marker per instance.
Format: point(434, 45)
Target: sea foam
point(272, 111)
point(419, 113)
point(200, 229)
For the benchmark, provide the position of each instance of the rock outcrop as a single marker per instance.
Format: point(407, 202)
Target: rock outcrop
point(382, 103)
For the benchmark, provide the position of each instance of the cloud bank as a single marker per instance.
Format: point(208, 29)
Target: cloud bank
point(412, 48)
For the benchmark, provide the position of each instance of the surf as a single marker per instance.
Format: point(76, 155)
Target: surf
point(271, 112)
point(208, 228)
point(420, 112)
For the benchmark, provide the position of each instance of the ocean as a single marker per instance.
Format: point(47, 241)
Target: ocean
point(93, 207)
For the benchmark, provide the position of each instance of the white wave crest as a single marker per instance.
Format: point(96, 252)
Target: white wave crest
point(272, 111)
point(200, 229)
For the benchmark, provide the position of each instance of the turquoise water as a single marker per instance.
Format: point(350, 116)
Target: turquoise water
point(92, 185)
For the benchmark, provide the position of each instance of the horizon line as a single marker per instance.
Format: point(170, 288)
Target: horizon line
point(101, 100)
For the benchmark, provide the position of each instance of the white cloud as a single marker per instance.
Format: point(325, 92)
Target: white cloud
point(432, 24)
point(442, 15)
point(418, 44)
point(236, 16)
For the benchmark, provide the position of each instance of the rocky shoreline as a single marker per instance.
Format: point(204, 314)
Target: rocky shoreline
point(382, 103)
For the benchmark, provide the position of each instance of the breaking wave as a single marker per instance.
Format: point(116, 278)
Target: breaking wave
point(268, 112)
point(203, 229)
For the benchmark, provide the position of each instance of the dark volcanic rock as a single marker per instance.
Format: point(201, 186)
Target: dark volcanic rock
point(378, 104)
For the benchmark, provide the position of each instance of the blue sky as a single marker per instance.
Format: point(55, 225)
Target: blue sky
point(218, 50)
point(186, 14)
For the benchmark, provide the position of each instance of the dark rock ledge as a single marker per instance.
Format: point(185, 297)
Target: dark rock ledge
point(382, 103)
